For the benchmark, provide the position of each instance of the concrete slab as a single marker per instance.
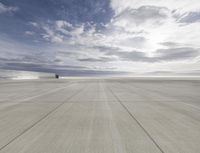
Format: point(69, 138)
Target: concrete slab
point(100, 115)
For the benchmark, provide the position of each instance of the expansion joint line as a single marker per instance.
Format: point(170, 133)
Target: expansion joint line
point(134, 118)
point(40, 120)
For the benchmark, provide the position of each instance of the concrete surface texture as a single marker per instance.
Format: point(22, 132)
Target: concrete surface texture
point(100, 116)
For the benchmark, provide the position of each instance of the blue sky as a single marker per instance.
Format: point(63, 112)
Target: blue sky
point(86, 37)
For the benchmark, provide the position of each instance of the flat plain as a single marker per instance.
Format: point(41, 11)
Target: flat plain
point(110, 115)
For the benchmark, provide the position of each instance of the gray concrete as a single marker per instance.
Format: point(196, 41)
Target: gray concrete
point(100, 116)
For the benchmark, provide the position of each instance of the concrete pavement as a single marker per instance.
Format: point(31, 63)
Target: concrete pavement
point(100, 116)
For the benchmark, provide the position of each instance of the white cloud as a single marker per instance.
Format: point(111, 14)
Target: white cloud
point(34, 24)
point(142, 15)
point(63, 24)
point(7, 9)
point(180, 5)
point(51, 35)
point(30, 33)
point(77, 31)
point(143, 36)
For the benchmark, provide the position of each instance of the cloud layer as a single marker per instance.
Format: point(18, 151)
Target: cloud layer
point(101, 36)
point(7, 9)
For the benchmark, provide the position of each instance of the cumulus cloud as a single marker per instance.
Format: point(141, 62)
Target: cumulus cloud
point(60, 30)
point(89, 45)
point(140, 36)
point(141, 15)
point(7, 9)
point(179, 5)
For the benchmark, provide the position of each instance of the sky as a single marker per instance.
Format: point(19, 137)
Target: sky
point(101, 37)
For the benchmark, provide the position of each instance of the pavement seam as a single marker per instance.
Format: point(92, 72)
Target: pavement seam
point(134, 118)
point(24, 98)
point(41, 119)
point(161, 101)
point(27, 101)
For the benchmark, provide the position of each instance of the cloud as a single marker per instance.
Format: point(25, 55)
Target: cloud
point(51, 35)
point(63, 24)
point(134, 56)
point(65, 70)
point(30, 33)
point(101, 59)
point(180, 5)
point(177, 54)
point(60, 30)
point(189, 17)
point(7, 9)
point(127, 35)
point(161, 55)
point(170, 44)
point(141, 15)
point(34, 24)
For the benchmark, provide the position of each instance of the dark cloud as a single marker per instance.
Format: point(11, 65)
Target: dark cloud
point(8, 59)
point(177, 54)
point(32, 58)
point(161, 55)
point(40, 67)
point(65, 70)
point(101, 59)
point(34, 66)
point(143, 14)
point(190, 17)
point(170, 44)
point(138, 39)
point(105, 48)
